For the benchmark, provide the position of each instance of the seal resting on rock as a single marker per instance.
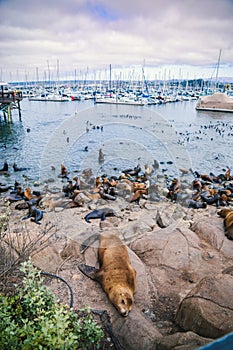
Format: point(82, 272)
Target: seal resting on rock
point(227, 214)
point(35, 213)
point(100, 214)
point(116, 275)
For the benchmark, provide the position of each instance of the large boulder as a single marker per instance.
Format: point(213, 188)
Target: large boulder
point(135, 331)
point(182, 341)
point(208, 308)
point(211, 230)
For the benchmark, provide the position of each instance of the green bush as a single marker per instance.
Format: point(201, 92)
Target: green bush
point(33, 319)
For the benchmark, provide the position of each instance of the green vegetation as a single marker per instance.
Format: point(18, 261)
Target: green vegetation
point(33, 319)
point(4, 220)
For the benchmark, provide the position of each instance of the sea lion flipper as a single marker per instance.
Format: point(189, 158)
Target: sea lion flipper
point(87, 270)
point(27, 217)
point(90, 240)
point(103, 217)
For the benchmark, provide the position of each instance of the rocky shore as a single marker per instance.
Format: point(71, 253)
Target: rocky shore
point(183, 259)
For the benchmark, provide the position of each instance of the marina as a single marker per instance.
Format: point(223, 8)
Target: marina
point(174, 134)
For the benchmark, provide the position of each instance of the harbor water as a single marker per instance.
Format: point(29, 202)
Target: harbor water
point(174, 134)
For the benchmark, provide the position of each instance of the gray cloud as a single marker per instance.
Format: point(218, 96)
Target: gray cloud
point(95, 33)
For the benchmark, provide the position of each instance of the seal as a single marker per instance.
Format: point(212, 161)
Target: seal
point(5, 167)
point(16, 168)
point(116, 275)
point(5, 188)
point(196, 204)
point(227, 214)
point(35, 213)
point(100, 214)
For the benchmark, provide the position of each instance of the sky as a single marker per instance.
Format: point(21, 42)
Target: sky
point(64, 39)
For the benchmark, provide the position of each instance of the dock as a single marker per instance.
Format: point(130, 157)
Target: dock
point(9, 100)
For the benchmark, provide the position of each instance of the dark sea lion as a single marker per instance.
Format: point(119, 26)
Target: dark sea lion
point(16, 168)
point(133, 172)
point(195, 204)
point(16, 195)
point(34, 213)
point(5, 167)
point(100, 214)
point(116, 275)
point(211, 199)
point(5, 188)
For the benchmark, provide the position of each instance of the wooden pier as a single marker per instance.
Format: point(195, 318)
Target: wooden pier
point(10, 100)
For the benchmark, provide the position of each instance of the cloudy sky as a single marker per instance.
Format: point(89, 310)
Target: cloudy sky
point(63, 38)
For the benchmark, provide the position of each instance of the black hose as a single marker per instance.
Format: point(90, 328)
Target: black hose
point(61, 279)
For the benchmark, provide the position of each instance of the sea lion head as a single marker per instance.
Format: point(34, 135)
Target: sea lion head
point(122, 299)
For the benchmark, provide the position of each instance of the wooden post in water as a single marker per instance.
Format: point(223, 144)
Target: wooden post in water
point(19, 109)
point(9, 114)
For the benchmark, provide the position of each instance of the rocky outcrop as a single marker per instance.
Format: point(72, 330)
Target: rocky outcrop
point(208, 309)
point(183, 259)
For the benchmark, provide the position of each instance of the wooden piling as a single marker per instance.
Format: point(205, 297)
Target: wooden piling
point(8, 101)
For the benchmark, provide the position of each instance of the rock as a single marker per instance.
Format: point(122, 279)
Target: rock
point(174, 247)
point(181, 341)
point(47, 260)
point(211, 230)
point(142, 297)
point(71, 249)
point(135, 331)
point(81, 199)
point(163, 219)
point(208, 309)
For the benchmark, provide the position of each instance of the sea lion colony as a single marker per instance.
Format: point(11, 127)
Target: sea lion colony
point(206, 189)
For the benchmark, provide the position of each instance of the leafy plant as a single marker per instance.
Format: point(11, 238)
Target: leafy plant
point(4, 220)
point(34, 319)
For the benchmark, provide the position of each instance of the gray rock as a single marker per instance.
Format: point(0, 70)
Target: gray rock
point(135, 331)
point(208, 309)
point(182, 341)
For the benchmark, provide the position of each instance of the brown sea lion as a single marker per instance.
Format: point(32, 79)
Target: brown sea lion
point(116, 275)
point(174, 189)
point(227, 214)
point(64, 172)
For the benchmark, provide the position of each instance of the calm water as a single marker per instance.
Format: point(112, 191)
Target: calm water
point(174, 134)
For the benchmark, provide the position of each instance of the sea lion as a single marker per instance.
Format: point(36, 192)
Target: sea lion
point(138, 195)
point(34, 212)
point(211, 199)
point(174, 189)
point(29, 196)
point(195, 204)
point(101, 156)
point(100, 214)
point(5, 167)
point(64, 172)
point(133, 172)
point(227, 214)
point(116, 275)
point(5, 188)
point(16, 168)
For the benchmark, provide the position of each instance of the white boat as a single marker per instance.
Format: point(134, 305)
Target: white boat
point(120, 101)
point(218, 102)
point(50, 98)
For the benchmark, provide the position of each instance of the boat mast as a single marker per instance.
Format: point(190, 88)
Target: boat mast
point(219, 56)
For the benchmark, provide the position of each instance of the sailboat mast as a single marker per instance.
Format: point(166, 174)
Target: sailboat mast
point(218, 65)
